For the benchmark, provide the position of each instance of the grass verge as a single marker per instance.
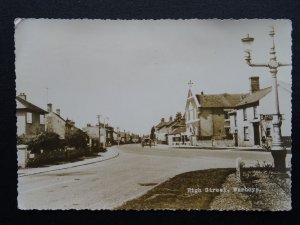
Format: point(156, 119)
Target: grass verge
point(173, 194)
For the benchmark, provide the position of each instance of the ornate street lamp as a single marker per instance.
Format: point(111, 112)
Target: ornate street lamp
point(278, 151)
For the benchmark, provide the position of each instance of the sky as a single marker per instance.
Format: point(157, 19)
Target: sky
point(135, 72)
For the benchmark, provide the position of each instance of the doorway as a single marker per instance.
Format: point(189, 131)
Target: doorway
point(256, 133)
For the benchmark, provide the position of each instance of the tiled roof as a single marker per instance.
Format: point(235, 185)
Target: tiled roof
point(160, 125)
point(30, 106)
point(179, 130)
point(220, 100)
point(255, 96)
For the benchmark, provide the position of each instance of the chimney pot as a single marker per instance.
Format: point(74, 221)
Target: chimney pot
point(49, 107)
point(162, 120)
point(23, 96)
point(254, 84)
point(58, 112)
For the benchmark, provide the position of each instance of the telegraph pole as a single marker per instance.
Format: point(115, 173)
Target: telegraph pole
point(98, 117)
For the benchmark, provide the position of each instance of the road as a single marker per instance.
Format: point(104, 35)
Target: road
point(108, 184)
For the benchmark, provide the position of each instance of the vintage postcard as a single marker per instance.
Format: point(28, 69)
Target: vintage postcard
point(154, 114)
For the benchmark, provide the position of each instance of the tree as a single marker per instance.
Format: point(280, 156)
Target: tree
point(178, 116)
point(152, 134)
point(77, 139)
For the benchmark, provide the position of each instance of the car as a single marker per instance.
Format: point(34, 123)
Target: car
point(146, 142)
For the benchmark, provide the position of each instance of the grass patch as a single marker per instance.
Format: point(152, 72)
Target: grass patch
point(173, 194)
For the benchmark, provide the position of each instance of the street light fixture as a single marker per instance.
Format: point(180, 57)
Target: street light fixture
point(278, 151)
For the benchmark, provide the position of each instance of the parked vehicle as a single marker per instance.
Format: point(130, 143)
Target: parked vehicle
point(146, 142)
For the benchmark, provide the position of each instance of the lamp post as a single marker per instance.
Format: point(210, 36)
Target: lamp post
point(278, 151)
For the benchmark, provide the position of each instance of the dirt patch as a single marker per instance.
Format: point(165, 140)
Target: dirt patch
point(147, 184)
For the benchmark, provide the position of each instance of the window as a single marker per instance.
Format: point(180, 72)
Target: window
point(29, 117)
point(188, 115)
point(268, 132)
point(42, 119)
point(235, 121)
point(245, 114)
point(246, 134)
point(255, 114)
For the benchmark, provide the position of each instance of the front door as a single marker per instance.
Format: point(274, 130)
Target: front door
point(256, 133)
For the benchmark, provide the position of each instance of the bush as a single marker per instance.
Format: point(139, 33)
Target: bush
point(77, 139)
point(48, 141)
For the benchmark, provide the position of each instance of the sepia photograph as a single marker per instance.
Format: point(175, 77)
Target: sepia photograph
point(154, 114)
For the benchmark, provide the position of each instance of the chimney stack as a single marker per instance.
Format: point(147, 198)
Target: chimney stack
point(58, 112)
point(23, 96)
point(49, 107)
point(254, 84)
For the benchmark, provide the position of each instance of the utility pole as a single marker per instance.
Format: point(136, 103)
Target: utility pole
point(105, 118)
point(98, 117)
point(118, 136)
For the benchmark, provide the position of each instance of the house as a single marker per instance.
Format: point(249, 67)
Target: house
point(251, 120)
point(97, 135)
point(55, 123)
point(177, 131)
point(30, 118)
point(171, 131)
point(162, 130)
point(124, 137)
point(109, 134)
point(207, 116)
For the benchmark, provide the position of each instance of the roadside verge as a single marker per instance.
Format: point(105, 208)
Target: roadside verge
point(103, 156)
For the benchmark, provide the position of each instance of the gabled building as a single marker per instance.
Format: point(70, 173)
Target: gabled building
point(55, 123)
point(163, 129)
point(177, 132)
point(97, 135)
point(207, 116)
point(30, 118)
point(251, 120)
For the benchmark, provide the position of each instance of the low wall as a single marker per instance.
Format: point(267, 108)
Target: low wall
point(213, 143)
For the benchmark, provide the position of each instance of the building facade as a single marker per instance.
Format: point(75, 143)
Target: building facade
point(30, 118)
point(251, 120)
point(207, 116)
point(97, 135)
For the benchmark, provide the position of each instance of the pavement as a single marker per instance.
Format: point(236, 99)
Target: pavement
point(253, 148)
point(102, 156)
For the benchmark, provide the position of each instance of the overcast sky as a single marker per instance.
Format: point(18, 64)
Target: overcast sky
point(136, 71)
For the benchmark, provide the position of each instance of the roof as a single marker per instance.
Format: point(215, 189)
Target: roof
point(219, 100)
point(179, 130)
point(160, 125)
point(57, 115)
point(255, 96)
point(30, 106)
